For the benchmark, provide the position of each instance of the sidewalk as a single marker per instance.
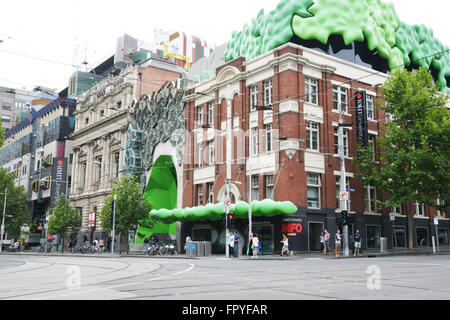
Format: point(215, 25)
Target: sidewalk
point(331, 255)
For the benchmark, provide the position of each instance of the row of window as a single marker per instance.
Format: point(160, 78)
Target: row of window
point(98, 169)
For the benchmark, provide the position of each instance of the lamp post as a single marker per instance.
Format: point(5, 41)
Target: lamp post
point(3, 221)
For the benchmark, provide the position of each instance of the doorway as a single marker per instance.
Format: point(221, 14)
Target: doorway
point(201, 234)
point(314, 231)
point(266, 237)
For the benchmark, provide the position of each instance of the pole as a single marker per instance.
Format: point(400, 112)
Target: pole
point(228, 156)
point(343, 182)
point(114, 224)
point(3, 221)
point(227, 211)
point(250, 181)
point(437, 238)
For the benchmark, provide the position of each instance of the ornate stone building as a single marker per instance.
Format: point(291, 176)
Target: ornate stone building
point(101, 134)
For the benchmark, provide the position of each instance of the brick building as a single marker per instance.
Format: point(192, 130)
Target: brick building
point(294, 154)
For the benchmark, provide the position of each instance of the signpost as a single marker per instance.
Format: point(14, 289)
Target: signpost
point(436, 223)
point(91, 219)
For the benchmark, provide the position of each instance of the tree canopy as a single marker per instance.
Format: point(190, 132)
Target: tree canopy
point(412, 163)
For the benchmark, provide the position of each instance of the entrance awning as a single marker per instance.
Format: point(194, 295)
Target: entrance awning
point(211, 212)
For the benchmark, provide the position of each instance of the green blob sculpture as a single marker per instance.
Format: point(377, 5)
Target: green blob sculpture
point(372, 21)
point(211, 212)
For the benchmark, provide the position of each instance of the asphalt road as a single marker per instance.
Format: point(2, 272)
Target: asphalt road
point(24, 277)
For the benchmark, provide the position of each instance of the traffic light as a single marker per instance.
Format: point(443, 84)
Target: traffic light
point(344, 218)
point(231, 220)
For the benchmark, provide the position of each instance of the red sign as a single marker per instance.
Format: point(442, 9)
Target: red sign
point(91, 219)
point(292, 229)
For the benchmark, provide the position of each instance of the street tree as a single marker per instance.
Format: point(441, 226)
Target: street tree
point(64, 219)
point(412, 163)
point(16, 204)
point(132, 210)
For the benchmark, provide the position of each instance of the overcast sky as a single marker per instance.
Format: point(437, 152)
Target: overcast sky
point(54, 30)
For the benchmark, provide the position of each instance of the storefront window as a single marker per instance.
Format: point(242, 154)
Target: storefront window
point(422, 237)
point(399, 237)
point(443, 236)
point(373, 237)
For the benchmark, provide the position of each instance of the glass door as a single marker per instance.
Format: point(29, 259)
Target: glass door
point(314, 231)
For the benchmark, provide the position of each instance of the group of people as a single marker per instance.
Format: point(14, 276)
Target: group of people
point(233, 241)
point(325, 242)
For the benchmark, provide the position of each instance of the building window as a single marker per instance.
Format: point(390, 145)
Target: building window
point(98, 162)
point(440, 213)
point(268, 93)
point(311, 91)
point(255, 187)
point(396, 210)
point(24, 170)
point(370, 199)
point(269, 135)
point(422, 237)
point(6, 106)
point(313, 191)
point(38, 165)
point(336, 141)
point(420, 209)
point(370, 108)
point(211, 192)
point(269, 187)
point(373, 237)
point(211, 153)
point(116, 162)
point(254, 139)
point(443, 236)
point(83, 173)
point(371, 146)
point(199, 195)
point(199, 116)
point(200, 155)
point(340, 99)
point(86, 121)
point(69, 182)
point(253, 97)
point(312, 136)
point(119, 105)
point(389, 117)
point(338, 193)
point(6, 119)
point(211, 113)
point(102, 113)
point(399, 237)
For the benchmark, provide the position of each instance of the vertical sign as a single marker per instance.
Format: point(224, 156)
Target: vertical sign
point(59, 177)
point(92, 219)
point(362, 134)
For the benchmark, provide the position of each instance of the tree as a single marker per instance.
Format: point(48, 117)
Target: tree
point(64, 219)
point(16, 204)
point(132, 210)
point(413, 158)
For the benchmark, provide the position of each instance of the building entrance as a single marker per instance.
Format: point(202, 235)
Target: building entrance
point(266, 237)
point(201, 234)
point(314, 231)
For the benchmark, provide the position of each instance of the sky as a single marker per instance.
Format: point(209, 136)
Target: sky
point(67, 32)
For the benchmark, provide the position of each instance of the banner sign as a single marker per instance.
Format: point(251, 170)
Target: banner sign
point(362, 133)
point(59, 177)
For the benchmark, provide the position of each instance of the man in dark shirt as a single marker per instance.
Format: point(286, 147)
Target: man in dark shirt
point(357, 239)
point(236, 245)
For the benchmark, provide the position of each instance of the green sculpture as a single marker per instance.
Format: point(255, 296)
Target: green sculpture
point(372, 21)
point(211, 212)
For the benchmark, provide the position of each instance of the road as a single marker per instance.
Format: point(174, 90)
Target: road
point(28, 277)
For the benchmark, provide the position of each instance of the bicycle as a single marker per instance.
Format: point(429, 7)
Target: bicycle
point(46, 247)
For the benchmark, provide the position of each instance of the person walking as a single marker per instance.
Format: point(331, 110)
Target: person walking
point(255, 246)
point(285, 243)
point(322, 237)
point(231, 244)
point(326, 242)
point(337, 242)
point(237, 239)
point(357, 239)
point(250, 245)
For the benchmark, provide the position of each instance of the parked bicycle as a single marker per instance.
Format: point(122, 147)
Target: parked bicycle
point(46, 247)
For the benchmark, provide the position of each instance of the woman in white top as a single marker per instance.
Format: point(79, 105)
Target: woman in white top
point(255, 246)
point(285, 243)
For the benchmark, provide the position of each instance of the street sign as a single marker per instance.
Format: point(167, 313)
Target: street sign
point(91, 219)
point(436, 221)
point(344, 195)
point(392, 216)
point(350, 190)
point(228, 202)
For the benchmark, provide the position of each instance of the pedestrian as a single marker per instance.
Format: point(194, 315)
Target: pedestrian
point(188, 239)
point(108, 243)
point(326, 242)
point(237, 239)
point(337, 242)
point(96, 242)
point(322, 237)
point(250, 245)
point(231, 245)
point(256, 246)
point(357, 239)
point(285, 243)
